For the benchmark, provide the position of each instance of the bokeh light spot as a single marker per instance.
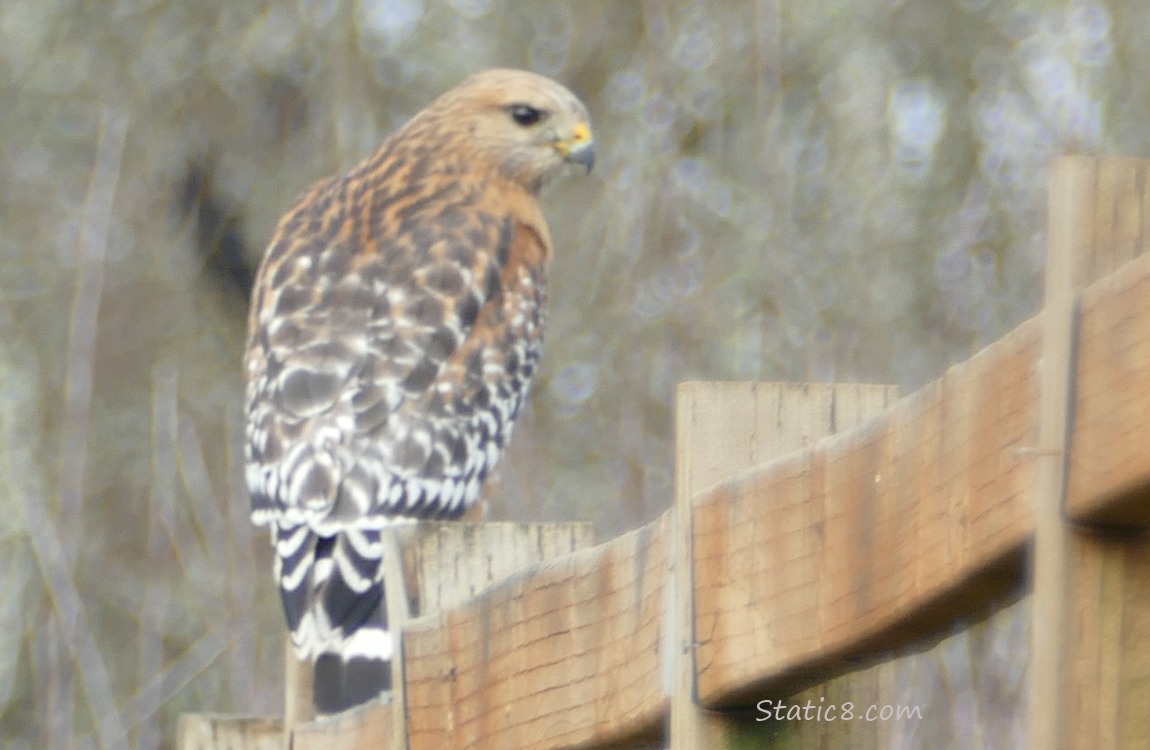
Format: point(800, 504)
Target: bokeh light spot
point(917, 119)
point(389, 21)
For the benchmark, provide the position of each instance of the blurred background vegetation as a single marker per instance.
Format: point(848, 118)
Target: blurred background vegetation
point(842, 190)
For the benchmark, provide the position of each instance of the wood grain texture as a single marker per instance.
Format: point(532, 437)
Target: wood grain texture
point(449, 562)
point(876, 538)
point(1089, 662)
point(218, 732)
point(725, 430)
point(563, 656)
point(871, 536)
point(445, 563)
point(1109, 471)
point(299, 707)
point(370, 726)
point(1071, 210)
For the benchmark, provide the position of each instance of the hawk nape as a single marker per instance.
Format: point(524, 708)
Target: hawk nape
point(396, 325)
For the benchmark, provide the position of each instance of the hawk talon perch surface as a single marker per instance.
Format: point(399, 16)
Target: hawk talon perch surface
point(395, 328)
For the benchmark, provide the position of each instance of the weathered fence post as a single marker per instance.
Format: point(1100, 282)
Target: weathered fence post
point(219, 732)
point(298, 706)
point(436, 566)
point(1091, 609)
point(723, 430)
point(398, 613)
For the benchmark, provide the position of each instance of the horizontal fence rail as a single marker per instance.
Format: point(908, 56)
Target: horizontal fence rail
point(814, 525)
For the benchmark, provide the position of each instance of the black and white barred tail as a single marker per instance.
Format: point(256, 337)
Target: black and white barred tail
point(333, 595)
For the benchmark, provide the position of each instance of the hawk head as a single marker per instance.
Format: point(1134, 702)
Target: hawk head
point(529, 127)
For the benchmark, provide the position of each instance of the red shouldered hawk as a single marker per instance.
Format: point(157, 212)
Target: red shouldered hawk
point(396, 325)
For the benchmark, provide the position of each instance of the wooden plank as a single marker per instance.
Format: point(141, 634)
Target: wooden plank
point(444, 564)
point(1142, 185)
point(723, 430)
point(216, 732)
point(361, 728)
point(876, 537)
point(299, 674)
point(1107, 664)
point(398, 613)
point(944, 482)
point(1091, 605)
point(1109, 472)
point(735, 426)
point(880, 535)
point(562, 656)
point(1116, 226)
point(1100, 186)
point(1128, 239)
point(451, 562)
point(842, 703)
point(1070, 224)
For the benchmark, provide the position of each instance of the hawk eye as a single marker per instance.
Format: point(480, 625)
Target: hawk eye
point(524, 114)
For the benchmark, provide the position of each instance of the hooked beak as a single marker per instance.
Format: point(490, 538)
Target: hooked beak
point(580, 148)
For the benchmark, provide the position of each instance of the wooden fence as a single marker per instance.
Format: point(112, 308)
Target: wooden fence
point(814, 525)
